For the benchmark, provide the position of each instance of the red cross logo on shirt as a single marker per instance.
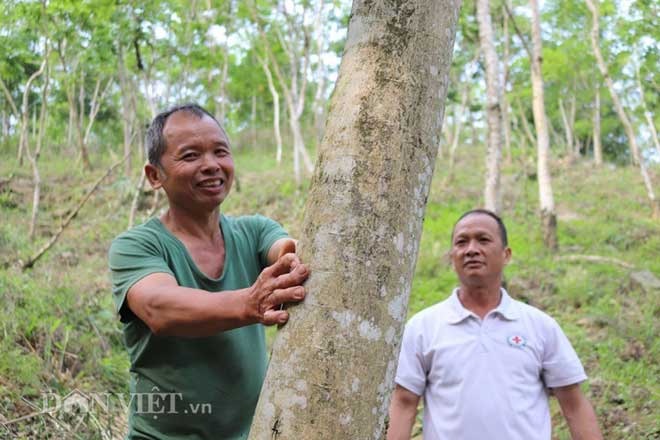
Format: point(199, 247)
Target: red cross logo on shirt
point(517, 341)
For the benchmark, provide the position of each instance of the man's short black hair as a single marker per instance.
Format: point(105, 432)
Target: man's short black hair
point(500, 223)
point(156, 142)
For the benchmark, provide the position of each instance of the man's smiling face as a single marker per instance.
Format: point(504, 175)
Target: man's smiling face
point(197, 167)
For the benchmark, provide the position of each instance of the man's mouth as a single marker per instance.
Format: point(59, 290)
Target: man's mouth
point(473, 263)
point(211, 183)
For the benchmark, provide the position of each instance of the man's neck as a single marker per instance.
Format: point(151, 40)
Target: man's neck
point(480, 299)
point(182, 224)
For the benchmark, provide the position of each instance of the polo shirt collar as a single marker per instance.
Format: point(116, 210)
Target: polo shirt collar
point(507, 308)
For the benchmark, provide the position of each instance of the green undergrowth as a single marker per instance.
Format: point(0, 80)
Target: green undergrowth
point(59, 331)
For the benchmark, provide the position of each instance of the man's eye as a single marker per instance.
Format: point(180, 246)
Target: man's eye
point(189, 156)
point(221, 152)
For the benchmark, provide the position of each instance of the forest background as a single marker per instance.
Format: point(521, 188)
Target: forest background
point(81, 80)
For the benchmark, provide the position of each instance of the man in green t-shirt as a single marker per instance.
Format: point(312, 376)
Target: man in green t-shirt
point(194, 287)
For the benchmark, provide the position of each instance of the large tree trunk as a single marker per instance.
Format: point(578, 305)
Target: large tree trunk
point(546, 199)
point(333, 364)
point(627, 126)
point(598, 146)
point(492, 193)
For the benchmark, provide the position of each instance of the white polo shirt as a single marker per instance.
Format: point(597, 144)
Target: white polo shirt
point(486, 380)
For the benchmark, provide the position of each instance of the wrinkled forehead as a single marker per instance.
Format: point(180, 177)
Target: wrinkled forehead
point(185, 123)
point(476, 223)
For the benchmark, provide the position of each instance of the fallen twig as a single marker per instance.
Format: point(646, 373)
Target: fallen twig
point(595, 259)
point(6, 180)
point(33, 259)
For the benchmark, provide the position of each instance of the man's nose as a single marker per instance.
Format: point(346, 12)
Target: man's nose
point(210, 163)
point(472, 248)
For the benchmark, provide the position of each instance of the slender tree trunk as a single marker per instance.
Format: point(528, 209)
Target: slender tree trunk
point(298, 145)
point(84, 152)
point(319, 94)
point(333, 364)
point(525, 124)
point(25, 116)
point(135, 202)
point(221, 99)
point(627, 126)
point(458, 125)
point(127, 116)
point(647, 114)
point(276, 110)
point(506, 108)
point(294, 89)
point(568, 130)
point(5, 127)
point(33, 158)
point(70, 127)
point(546, 198)
point(598, 147)
point(571, 120)
point(492, 192)
point(253, 122)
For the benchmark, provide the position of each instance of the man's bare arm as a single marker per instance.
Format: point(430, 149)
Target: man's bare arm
point(403, 410)
point(169, 309)
point(578, 412)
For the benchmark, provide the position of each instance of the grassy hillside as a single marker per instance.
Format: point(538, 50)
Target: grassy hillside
point(59, 332)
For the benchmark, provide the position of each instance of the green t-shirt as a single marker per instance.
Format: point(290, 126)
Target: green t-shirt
point(192, 388)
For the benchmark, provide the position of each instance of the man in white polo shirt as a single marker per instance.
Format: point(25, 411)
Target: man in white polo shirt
point(484, 362)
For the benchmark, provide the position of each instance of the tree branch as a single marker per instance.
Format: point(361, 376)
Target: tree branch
point(33, 259)
point(515, 27)
point(595, 259)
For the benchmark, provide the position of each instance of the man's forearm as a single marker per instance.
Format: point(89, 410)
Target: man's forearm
point(403, 410)
point(182, 311)
point(583, 424)
point(578, 412)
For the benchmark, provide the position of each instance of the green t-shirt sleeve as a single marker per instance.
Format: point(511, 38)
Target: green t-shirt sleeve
point(132, 256)
point(267, 232)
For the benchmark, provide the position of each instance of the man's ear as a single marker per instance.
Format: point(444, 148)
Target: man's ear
point(507, 255)
point(155, 175)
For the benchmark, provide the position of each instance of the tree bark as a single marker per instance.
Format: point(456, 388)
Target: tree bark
point(333, 364)
point(492, 192)
point(621, 112)
point(598, 146)
point(546, 198)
